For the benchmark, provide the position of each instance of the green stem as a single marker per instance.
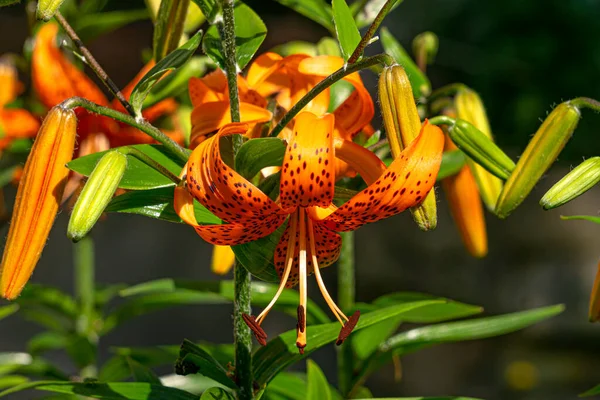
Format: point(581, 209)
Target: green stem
point(242, 337)
point(586, 102)
point(327, 82)
point(364, 41)
point(85, 293)
point(91, 61)
point(442, 120)
point(448, 90)
point(139, 123)
point(346, 297)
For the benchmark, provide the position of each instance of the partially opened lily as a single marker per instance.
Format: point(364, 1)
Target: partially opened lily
point(310, 241)
point(15, 123)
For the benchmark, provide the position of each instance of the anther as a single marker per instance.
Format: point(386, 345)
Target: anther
point(347, 328)
point(301, 319)
point(259, 333)
point(300, 347)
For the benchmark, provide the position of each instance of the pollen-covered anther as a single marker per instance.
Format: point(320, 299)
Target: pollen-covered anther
point(259, 333)
point(301, 319)
point(348, 328)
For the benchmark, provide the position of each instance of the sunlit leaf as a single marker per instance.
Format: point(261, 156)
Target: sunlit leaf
point(168, 27)
point(9, 310)
point(210, 8)
point(138, 176)
point(257, 154)
point(452, 163)
point(345, 27)
point(175, 59)
point(194, 360)
point(317, 386)
point(317, 10)
point(217, 393)
point(250, 31)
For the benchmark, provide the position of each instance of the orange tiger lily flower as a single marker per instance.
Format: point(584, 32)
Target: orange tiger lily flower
point(15, 123)
point(56, 79)
point(310, 241)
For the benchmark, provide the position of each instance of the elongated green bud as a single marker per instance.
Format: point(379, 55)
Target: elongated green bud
point(469, 107)
point(47, 8)
point(402, 125)
point(96, 194)
point(541, 152)
point(425, 47)
point(572, 185)
point(480, 148)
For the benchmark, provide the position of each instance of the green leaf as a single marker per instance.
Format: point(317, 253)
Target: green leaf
point(474, 329)
point(217, 393)
point(117, 368)
point(108, 391)
point(317, 10)
point(92, 6)
point(328, 46)
point(257, 154)
point(592, 392)
point(91, 26)
point(138, 176)
point(420, 83)
point(173, 60)
point(582, 217)
point(318, 387)
point(371, 8)
point(168, 27)
point(261, 294)
point(424, 398)
point(250, 31)
point(452, 163)
point(290, 386)
point(367, 340)
point(141, 373)
point(210, 9)
point(12, 380)
point(46, 341)
point(345, 27)
point(176, 82)
point(25, 364)
point(9, 310)
point(157, 203)
point(282, 351)
point(4, 3)
point(257, 256)
point(339, 92)
point(194, 360)
point(48, 306)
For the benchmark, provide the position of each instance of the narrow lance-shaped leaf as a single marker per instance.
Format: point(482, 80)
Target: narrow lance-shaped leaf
point(168, 26)
point(173, 60)
point(91, 26)
point(318, 388)
point(317, 10)
point(257, 154)
point(345, 27)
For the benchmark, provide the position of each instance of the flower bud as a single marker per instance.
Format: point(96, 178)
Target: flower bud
point(38, 198)
point(541, 151)
point(469, 107)
point(96, 194)
point(425, 47)
point(574, 184)
point(402, 125)
point(47, 8)
point(480, 148)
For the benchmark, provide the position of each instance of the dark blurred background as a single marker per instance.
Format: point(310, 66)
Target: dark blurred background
point(523, 57)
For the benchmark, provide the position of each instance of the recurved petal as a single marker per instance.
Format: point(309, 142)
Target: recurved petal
point(214, 115)
point(234, 234)
point(221, 189)
point(38, 198)
point(200, 93)
point(54, 77)
point(404, 184)
point(308, 170)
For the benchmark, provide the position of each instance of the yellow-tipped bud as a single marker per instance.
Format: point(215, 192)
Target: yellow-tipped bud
point(402, 126)
point(47, 8)
point(38, 198)
point(469, 107)
point(223, 259)
point(541, 152)
point(96, 194)
point(574, 184)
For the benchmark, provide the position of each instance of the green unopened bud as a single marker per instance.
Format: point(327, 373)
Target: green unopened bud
point(402, 125)
point(575, 183)
point(541, 152)
point(425, 47)
point(47, 8)
point(469, 107)
point(96, 194)
point(480, 148)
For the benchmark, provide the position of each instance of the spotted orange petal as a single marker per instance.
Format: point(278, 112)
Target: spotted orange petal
point(54, 77)
point(404, 184)
point(221, 189)
point(234, 234)
point(200, 93)
point(308, 170)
